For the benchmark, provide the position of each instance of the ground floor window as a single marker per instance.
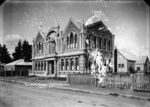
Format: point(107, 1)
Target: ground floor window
point(138, 68)
point(71, 64)
point(44, 65)
point(62, 64)
point(77, 63)
point(67, 64)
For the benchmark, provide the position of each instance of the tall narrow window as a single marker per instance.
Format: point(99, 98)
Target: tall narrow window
point(38, 65)
point(35, 65)
point(95, 41)
point(77, 64)
point(100, 43)
point(104, 44)
point(37, 48)
point(71, 64)
point(67, 42)
point(42, 47)
point(39, 45)
point(109, 45)
point(62, 64)
point(49, 48)
point(71, 39)
point(67, 64)
point(76, 40)
point(44, 65)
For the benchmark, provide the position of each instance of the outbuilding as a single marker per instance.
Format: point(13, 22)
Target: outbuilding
point(18, 68)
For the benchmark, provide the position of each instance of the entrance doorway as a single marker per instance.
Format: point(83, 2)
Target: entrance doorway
point(50, 67)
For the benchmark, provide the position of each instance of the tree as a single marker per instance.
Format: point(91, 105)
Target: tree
point(131, 70)
point(26, 51)
point(0, 53)
point(4, 55)
point(18, 51)
point(23, 51)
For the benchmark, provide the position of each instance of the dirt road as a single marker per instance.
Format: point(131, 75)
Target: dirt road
point(17, 95)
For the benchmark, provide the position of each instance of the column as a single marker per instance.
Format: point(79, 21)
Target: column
point(106, 44)
point(74, 64)
point(80, 43)
point(55, 67)
point(43, 65)
point(64, 63)
point(46, 67)
point(82, 63)
point(101, 43)
point(33, 66)
point(37, 65)
point(69, 63)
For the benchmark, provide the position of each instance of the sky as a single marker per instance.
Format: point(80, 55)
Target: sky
point(127, 20)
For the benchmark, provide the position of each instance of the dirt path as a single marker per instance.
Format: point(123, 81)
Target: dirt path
point(17, 95)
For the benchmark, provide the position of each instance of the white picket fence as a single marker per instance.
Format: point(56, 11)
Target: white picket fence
point(140, 82)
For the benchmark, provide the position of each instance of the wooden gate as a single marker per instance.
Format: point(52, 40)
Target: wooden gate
point(140, 82)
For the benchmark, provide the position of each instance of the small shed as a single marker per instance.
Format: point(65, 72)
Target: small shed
point(18, 68)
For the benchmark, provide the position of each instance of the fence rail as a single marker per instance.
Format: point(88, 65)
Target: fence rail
point(140, 82)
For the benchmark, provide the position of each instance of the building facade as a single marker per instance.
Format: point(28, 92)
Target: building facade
point(142, 65)
point(125, 60)
point(57, 53)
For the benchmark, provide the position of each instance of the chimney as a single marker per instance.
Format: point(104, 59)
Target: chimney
point(115, 60)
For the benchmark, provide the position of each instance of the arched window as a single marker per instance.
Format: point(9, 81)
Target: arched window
point(100, 43)
point(104, 44)
point(77, 63)
point(44, 65)
point(38, 66)
point(62, 64)
point(71, 39)
point(67, 42)
point(39, 45)
point(75, 40)
point(37, 48)
point(71, 64)
point(109, 45)
point(41, 65)
point(42, 47)
point(95, 41)
point(67, 64)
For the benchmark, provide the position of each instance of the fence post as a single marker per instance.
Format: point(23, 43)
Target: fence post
point(132, 82)
point(68, 78)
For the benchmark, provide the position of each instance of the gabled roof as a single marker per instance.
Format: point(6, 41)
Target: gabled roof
point(19, 62)
point(78, 24)
point(100, 27)
point(41, 33)
point(128, 55)
point(141, 60)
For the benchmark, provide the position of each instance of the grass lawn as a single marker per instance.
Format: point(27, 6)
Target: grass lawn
point(36, 79)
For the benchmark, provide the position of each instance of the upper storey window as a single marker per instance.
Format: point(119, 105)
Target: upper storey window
point(68, 42)
point(75, 40)
point(39, 47)
point(51, 42)
point(72, 40)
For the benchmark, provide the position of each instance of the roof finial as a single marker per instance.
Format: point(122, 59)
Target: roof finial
point(40, 27)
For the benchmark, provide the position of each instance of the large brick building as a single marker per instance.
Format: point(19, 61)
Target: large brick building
point(68, 53)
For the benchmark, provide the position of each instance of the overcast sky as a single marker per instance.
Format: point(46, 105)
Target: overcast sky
point(129, 21)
